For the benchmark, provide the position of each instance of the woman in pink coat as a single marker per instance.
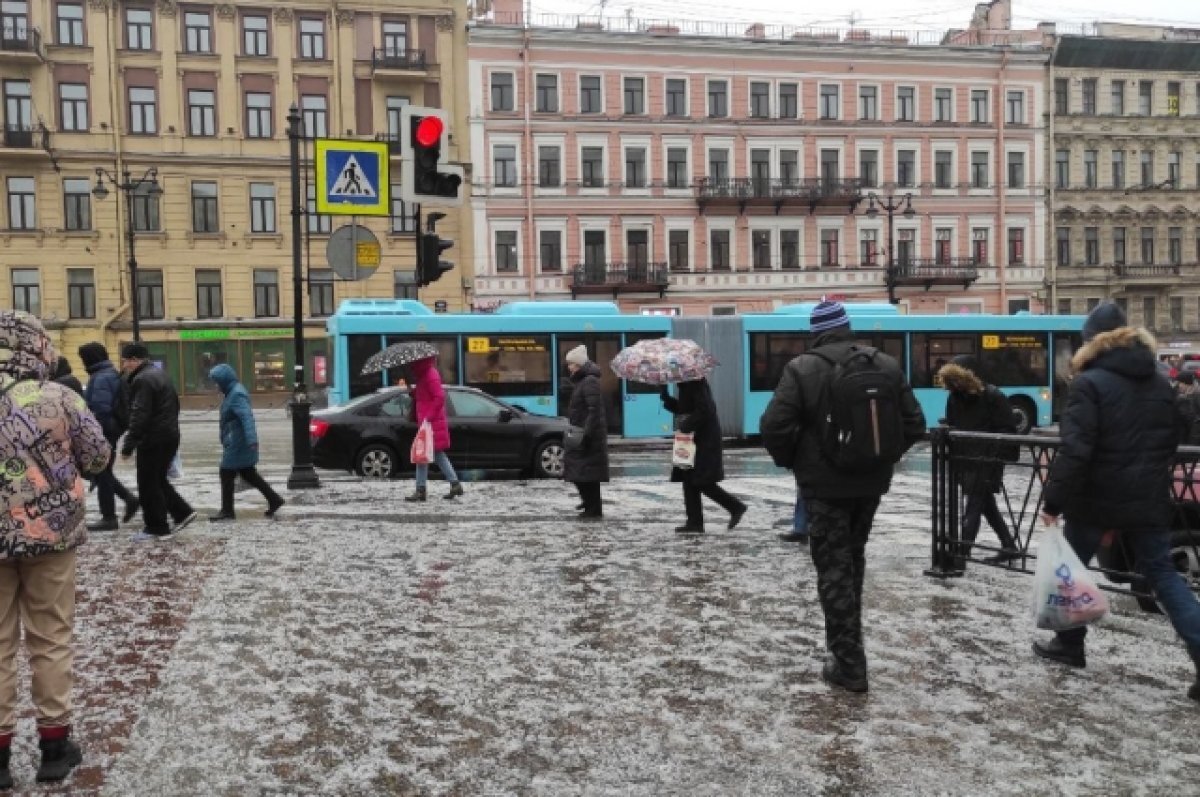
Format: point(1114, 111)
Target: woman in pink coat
point(431, 406)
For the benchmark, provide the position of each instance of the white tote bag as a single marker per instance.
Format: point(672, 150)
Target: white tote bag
point(683, 451)
point(1064, 594)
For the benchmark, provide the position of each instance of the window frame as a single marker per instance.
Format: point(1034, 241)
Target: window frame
point(206, 219)
point(81, 295)
point(30, 293)
point(77, 204)
point(197, 38)
point(22, 204)
point(209, 293)
point(263, 208)
point(73, 111)
point(76, 30)
point(259, 118)
point(143, 114)
point(266, 292)
point(500, 91)
point(311, 42)
point(252, 38)
point(139, 36)
point(202, 116)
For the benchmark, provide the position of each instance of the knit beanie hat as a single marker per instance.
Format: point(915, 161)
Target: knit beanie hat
point(1106, 317)
point(92, 353)
point(577, 355)
point(134, 351)
point(828, 315)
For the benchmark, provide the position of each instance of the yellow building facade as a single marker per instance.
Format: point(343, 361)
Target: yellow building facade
point(201, 94)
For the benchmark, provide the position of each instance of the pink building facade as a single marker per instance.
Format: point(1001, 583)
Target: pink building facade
point(699, 174)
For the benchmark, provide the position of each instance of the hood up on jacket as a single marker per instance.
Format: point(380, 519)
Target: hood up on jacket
point(224, 376)
point(959, 379)
point(1128, 351)
point(25, 349)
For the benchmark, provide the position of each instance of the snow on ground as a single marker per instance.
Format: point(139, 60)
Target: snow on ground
point(364, 646)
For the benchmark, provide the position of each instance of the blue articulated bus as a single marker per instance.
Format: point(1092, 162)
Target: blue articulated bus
point(517, 354)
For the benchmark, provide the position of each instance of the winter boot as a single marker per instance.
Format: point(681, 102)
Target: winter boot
point(6, 780)
point(60, 754)
point(455, 491)
point(1063, 652)
point(221, 517)
point(273, 507)
point(689, 528)
point(418, 495)
point(131, 510)
point(835, 674)
point(104, 524)
point(735, 516)
point(1194, 692)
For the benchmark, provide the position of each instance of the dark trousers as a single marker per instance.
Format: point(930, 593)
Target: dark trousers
point(109, 488)
point(838, 530)
point(693, 506)
point(589, 495)
point(984, 503)
point(157, 493)
point(253, 478)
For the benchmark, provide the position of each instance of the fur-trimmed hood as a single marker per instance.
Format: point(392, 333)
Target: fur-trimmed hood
point(960, 380)
point(1125, 350)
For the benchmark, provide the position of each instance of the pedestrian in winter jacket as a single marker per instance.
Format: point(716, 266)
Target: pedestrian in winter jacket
point(696, 414)
point(975, 406)
point(841, 505)
point(239, 444)
point(1188, 403)
point(103, 394)
point(430, 400)
point(62, 375)
point(585, 462)
point(1114, 469)
point(49, 442)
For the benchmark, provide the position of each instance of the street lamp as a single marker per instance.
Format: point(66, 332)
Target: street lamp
point(128, 186)
point(890, 205)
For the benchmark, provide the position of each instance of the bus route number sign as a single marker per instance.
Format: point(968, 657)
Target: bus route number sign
point(479, 345)
point(991, 341)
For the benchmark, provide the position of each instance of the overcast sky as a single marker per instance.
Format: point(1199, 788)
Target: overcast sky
point(937, 15)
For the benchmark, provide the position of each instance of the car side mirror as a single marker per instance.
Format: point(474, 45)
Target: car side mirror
point(506, 415)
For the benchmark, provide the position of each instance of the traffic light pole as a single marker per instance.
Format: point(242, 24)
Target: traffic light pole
point(303, 476)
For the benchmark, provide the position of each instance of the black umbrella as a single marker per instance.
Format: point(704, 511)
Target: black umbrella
point(403, 353)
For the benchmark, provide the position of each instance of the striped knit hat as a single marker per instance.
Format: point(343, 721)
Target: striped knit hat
point(826, 316)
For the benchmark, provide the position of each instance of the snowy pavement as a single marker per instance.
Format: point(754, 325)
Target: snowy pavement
point(493, 646)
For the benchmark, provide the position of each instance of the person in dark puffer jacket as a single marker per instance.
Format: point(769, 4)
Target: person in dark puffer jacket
point(696, 413)
point(1119, 432)
point(102, 395)
point(587, 465)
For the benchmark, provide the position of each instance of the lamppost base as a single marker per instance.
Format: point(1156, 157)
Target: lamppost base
point(302, 477)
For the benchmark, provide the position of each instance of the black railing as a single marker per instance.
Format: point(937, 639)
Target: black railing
point(389, 58)
point(19, 136)
point(937, 270)
point(25, 41)
point(1154, 271)
point(620, 278)
point(772, 188)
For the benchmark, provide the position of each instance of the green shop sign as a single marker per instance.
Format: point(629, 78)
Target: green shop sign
point(232, 334)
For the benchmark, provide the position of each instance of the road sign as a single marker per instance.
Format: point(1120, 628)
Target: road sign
point(353, 252)
point(352, 177)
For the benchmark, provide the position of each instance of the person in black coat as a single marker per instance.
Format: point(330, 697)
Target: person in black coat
point(975, 406)
point(62, 375)
point(104, 392)
point(696, 414)
point(586, 464)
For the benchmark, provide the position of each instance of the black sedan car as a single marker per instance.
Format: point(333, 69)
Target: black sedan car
point(372, 435)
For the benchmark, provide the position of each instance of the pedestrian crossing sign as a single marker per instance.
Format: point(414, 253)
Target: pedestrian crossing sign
point(352, 177)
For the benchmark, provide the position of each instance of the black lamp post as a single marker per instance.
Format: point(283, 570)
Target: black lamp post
point(128, 186)
point(890, 205)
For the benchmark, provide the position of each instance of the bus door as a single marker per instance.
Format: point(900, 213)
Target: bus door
point(601, 349)
point(645, 415)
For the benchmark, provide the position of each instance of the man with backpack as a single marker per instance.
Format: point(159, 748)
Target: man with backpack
point(107, 396)
point(842, 416)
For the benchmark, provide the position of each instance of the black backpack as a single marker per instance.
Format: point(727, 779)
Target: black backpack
point(862, 426)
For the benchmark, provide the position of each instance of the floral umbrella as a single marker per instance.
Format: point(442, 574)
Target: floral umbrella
point(664, 361)
point(402, 353)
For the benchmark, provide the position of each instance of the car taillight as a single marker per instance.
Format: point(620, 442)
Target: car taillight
point(317, 428)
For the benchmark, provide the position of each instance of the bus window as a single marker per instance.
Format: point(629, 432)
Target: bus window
point(447, 359)
point(507, 365)
point(630, 339)
point(770, 352)
point(1014, 359)
point(359, 348)
point(931, 352)
point(601, 348)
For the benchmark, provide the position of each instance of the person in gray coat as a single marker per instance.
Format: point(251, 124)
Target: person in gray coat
point(586, 462)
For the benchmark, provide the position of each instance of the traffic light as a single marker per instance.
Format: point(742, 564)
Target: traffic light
point(430, 266)
point(424, 178)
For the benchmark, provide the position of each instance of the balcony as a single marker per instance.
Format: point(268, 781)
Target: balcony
point(618, 278)
point(19, 44)
point(930, 271)
point(1149, 275)
point(22, 137)
point(387, 59)
point(812, 192)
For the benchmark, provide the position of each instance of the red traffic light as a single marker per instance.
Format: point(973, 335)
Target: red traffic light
point(429, 131)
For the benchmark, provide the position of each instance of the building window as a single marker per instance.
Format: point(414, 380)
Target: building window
point(1091, 169)
point(718, 165)
point(718, 98)
point(1174, 168)
point(202, 113)
point(72, 107)
point(150, 294)
point(1177, 313)
point(789, 166)
point(81, 293)
point(145, 210)
point(266, 293)
point(590, 98)
point(312, 39)
point(1015, 108)
point(829, 247)
point(595, 254)
point(591, 166)
point(320, 291)
point(139, 29)
point(868, 168)
point(1091, 246)
point(143, 111)
point(868, 246)
point(635, 95)
point(679, 250)
point(1016, 170)
point(401, 218)
point(1147, 164)
point(549, 167)
point(943, 105)
point(1149, 315)
point(18, 107)
point(1119, 245)
point(979, 106)
point(506, 250)
point(868, 102)
point(258, 115)
point(941, 245)
point(760, 249)
point(502, 91)
point(22, 206)
point(70, 24)
point(635, 167)
point(77, 204)
point(1145, 97)
point(676, 97)
point(204, 207)
point(1089, 96)
point(1062, 242)
point(504, 165)
point(760, 99)
point(830, 101)
point(394, 106)
point(943, 169)
point(1148, 245)
point(208, 293)
point(27, 291)
point(904, 246)
point(1118, 97)
point(1175, 245)
point(906, 104)
point(1062, 168)
point(789, 100)
point(197, 30)
point(1062, 95)
point(718, 250)
point(395, 39)
point(906, 168)
point(677, 171)
point(760, 170)
point(1173, 98)
point(318, 223)
point(550, 250)
point(1118, 168)
point(255, 35)
point(547, 94)
point(979, 246)
point(1064, 307)
point(262, 207)
point(789, 249)
point(314, 110)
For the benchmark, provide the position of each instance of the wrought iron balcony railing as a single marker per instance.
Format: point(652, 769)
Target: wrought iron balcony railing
point(620, 277)
point(395, 58)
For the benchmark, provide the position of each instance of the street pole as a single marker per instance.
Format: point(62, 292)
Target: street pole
point(891, 268)
point(133, 266)
point(302, 476)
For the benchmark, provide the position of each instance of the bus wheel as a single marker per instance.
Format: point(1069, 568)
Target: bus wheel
point(376, 461)
point(548, 460)
point(1024, 414)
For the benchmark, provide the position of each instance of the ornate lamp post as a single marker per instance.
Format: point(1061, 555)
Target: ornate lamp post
point(128, 186)
point(890, 205)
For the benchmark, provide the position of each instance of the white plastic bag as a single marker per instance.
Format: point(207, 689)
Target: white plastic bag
point(421, 452)
point(1064, 594)
point(176, 470)
point(683, 451)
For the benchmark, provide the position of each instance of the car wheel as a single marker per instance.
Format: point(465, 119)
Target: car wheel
point(548, 459)
point(1185, 554)
point(376, 461)
point(1024, 414)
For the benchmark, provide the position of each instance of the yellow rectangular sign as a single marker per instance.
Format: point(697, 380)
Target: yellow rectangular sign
point(367, 253)
point(352, 177)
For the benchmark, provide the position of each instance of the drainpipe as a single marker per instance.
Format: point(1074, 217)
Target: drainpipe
point(1002, 162)
point(1049, 235)
point(114, 115)
point(529, 175)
